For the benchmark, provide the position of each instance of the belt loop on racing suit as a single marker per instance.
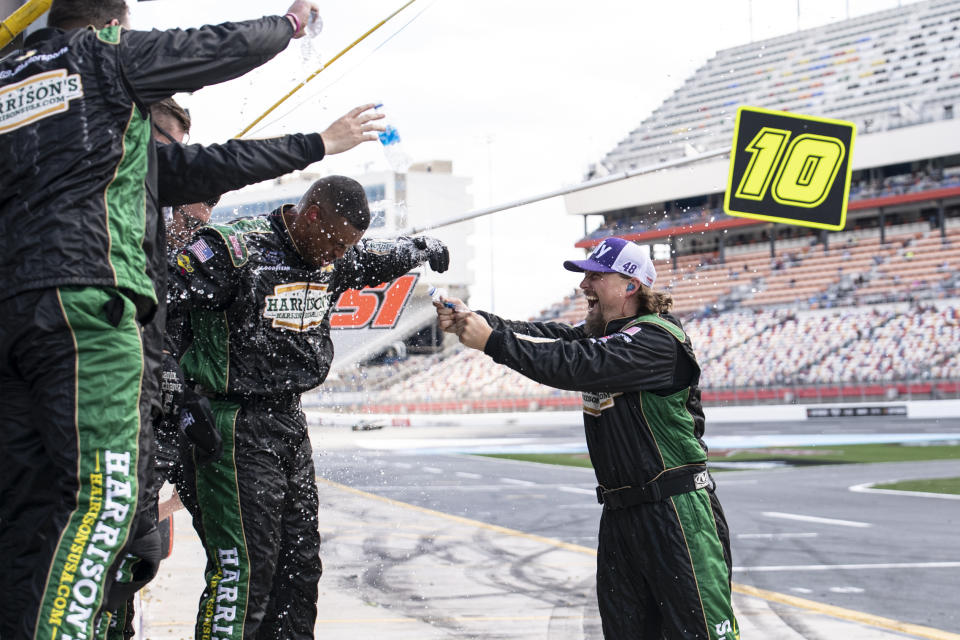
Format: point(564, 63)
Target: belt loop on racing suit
point(667, 484)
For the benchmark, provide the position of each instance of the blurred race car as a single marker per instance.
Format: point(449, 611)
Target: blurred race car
point(369, 425)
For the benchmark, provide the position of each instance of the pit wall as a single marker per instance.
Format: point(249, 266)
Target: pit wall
point(927, 409)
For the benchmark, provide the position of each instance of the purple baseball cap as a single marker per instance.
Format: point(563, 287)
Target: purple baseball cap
point(616, 255)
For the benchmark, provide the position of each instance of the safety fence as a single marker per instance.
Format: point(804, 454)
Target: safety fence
point(797, 394)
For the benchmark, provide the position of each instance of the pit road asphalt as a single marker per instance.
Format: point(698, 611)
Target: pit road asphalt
point(443, 545)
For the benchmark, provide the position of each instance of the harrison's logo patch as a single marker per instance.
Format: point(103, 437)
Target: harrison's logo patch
point(596, 403)
point(299, 306)
point(37, 97)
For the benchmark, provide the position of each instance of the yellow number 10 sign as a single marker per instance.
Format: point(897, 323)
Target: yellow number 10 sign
point(785, 168)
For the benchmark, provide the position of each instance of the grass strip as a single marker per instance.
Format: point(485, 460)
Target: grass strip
point(927, 485)
point(845, 454)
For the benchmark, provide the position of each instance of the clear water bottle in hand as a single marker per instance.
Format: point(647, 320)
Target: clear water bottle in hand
point(390, 139)
point(440, 295)
point(314, 25)
point(311, 30)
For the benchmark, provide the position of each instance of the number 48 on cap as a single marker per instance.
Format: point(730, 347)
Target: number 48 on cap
point(790, 168)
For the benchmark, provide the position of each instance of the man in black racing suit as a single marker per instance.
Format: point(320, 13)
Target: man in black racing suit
point(82, 266)
point(259, 292)
point(663, 560)
point(225, 167)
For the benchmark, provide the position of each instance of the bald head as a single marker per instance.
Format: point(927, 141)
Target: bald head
point(78, 14)
point(341, 196)
point(329, 219)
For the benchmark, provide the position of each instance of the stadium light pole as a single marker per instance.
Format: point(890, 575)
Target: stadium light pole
point(616, 177)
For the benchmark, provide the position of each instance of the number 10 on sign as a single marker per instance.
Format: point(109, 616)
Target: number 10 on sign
point(788, 171)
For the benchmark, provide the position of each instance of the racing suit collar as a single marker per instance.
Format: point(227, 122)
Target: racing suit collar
point(618, 323)
point(40, 35)
point(280, 227)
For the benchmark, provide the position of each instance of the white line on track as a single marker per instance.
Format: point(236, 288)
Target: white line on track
point(802, 518)
point(467, 474)
point(403, 465)
point(867, 487)
point(726, 483)
point(522, 483)
point(848, 567)
point(432, 469)
point(774, 536)
point(589, 492)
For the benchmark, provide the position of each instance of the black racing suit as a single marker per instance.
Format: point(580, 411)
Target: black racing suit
point(82, 268)
point(663, 561)
point(188, 173)
point(260, 323)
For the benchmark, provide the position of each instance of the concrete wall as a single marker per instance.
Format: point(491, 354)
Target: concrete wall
point(771, 413)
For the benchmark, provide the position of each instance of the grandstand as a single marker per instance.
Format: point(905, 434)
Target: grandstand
point(882, 71)
point(777, 313)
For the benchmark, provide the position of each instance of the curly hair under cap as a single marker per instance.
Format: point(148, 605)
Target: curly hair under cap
point(77, 14)
point(651, 301)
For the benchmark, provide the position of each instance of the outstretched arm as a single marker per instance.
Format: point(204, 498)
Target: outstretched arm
point(157, 64)
point(561, 330)
point(374, 261)
point(645, 359)
point(194, 173)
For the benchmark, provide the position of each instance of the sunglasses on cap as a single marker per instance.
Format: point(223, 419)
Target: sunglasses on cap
point(163, 132)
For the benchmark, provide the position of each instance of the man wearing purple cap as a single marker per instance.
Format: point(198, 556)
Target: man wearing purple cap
point(663, 561)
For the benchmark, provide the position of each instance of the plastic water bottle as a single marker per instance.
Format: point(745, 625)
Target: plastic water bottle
point(314, 25)
point(440, 295)
point(310, 30)
point(396, 156)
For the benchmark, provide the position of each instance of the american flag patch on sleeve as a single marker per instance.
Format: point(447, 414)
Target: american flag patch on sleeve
point(631, 331)
point(201, 250)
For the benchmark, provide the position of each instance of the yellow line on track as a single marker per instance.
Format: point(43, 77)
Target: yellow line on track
point(850, 615)
point(846, 614)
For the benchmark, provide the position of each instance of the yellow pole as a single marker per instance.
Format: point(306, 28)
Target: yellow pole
point(21, 19)
point(317, 72)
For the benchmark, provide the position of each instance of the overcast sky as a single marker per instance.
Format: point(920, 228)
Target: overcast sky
point(522, 95)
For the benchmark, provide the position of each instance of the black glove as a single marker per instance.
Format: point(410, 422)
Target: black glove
point(139, 561)
point(171, 386)
point(200, 428)
point(434, 251)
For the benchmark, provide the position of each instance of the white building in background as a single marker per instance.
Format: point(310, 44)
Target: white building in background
point(427, 193)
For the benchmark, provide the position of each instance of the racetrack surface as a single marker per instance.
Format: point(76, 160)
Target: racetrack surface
point(447, 546)
point(800, 532)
